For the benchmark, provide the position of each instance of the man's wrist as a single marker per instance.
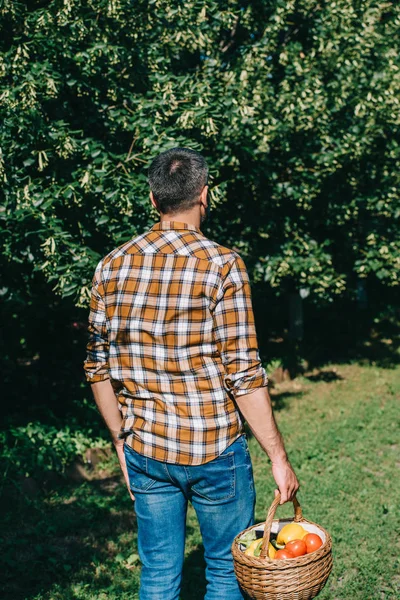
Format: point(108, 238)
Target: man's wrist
point(117, 442)
point(280, 460)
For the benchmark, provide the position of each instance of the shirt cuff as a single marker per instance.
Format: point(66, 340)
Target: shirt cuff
point(96, 372)
point(97, 377)
point(245, 385)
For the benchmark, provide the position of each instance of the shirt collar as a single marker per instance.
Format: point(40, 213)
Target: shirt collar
point(175, 225)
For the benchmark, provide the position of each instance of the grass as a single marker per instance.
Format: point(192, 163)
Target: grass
point(77, 540)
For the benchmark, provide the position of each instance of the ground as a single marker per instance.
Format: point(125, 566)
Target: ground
point(77, 540)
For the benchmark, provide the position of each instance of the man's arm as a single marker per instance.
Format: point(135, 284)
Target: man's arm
point(107, 404)
point(236, 339)
point(96, 371)
point(257, 410)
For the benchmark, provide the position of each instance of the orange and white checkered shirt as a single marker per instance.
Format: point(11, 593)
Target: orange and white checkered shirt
point(171, 324)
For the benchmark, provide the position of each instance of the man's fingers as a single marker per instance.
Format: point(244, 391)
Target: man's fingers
point(284, 497)
point(288, 496)
point(289, 492)
point(293, 490)
point(286, 481)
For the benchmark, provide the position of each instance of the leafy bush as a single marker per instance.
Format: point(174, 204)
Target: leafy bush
point(38, 448)
point(294, 103)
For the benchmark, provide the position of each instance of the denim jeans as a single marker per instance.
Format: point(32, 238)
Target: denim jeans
point(223, 496)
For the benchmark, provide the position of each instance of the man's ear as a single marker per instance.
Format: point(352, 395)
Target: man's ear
point(203, 196)
point(153, 201)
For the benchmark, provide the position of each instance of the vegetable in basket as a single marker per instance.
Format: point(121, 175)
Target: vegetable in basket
point(248, 538)
point(292, 531)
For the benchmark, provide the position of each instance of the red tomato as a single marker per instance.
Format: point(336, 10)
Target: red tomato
point(296, 547)
point(313, 542)
point(283, 554)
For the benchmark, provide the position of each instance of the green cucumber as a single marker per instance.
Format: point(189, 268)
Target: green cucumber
point(276, 545)
point(257, 551)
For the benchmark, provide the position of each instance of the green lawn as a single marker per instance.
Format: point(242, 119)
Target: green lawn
point(341, 426)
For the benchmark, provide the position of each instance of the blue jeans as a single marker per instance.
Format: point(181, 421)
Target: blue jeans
point(223, 496)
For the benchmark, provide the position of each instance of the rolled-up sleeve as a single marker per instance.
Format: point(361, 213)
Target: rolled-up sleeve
point(96, 363)
point(235, 333)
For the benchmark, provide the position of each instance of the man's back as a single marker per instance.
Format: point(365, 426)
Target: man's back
point(172, 325)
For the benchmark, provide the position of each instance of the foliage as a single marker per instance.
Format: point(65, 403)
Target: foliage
point(78, 541)
point(294, 103)
point(38, 448)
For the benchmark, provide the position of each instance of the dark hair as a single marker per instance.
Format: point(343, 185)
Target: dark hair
point(176, 178)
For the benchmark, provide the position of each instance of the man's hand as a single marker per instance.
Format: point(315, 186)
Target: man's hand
point(285, 479)
point(119, 446)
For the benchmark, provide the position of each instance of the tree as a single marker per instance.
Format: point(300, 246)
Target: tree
point(294, 103)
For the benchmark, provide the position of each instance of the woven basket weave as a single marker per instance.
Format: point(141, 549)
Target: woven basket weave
point(299, 578)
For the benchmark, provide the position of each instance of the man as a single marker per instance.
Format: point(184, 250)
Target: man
point(174, 365)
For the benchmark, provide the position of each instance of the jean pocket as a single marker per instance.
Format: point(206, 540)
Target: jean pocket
point(215, 481)
point(136, 465)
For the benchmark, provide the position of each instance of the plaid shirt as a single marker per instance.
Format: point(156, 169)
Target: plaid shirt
point(171, 324)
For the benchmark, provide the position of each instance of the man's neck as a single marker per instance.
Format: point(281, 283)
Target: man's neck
point(183, 217)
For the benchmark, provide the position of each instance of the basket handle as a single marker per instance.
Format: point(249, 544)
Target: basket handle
point(298, 516)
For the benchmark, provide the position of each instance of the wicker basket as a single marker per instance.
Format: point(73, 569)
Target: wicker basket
point(299, 578)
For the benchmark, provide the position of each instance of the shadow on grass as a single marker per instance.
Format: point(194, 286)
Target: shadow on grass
point(193, 579)
point(325, 375)
point(280, 400)
point(62, 533)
